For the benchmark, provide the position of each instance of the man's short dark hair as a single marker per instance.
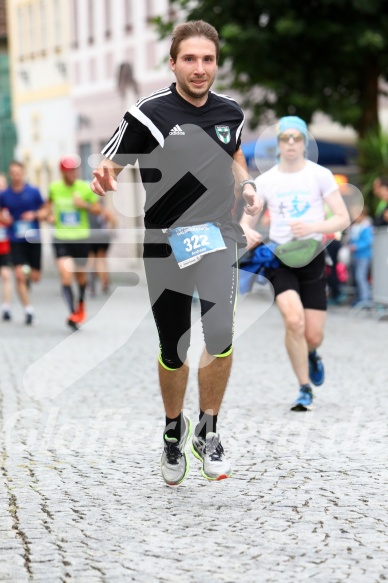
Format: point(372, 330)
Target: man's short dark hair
point(16, 163)
point(193, 28)
point(384, 181)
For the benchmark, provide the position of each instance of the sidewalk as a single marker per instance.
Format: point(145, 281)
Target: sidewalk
point(81, 494)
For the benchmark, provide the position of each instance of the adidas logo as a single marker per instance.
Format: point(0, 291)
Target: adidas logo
point(177, 131)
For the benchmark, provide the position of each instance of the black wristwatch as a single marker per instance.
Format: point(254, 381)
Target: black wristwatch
point(248, 181)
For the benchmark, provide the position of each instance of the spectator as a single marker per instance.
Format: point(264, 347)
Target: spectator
point(381, 217)
point(360, 243)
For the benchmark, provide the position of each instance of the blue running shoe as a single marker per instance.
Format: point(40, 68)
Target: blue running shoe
point(316, 369)
point(304, 402)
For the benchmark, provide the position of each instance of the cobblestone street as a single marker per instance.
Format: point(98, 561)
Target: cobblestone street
point(82, 498)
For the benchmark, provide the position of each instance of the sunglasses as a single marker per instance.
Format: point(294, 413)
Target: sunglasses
point(287, 137)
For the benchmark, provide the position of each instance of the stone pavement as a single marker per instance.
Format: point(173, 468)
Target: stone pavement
point(81, 494)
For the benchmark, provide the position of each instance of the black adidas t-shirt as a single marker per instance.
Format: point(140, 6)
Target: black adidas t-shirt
point(185, 156)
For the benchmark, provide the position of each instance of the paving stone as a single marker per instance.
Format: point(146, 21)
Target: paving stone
point(81, 496)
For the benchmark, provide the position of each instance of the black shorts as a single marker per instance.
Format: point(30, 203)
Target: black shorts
point(24, 253)
point(96, 247)
point(5, 260)
point(78, 250)
point(171, 290)
point(308, 281)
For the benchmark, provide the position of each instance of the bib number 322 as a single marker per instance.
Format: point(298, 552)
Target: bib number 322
point(190, 244)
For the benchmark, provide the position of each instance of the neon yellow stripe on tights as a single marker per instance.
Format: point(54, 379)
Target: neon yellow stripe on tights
point(163, 365)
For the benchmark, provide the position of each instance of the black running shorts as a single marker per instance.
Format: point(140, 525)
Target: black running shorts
point(308, 281)
point(78, 250)
point(24, 253)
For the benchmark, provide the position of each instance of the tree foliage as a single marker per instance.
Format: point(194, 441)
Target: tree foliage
point(302, 57)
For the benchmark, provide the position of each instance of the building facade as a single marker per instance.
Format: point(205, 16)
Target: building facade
point(77, 66)
point(41, 92)
point(116, 57)
point(7, 127)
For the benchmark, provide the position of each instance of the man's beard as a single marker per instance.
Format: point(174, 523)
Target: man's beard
point(196, 95)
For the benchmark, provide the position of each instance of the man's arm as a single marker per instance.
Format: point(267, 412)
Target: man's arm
point(248, 223)
point(48, 212)
point(240, 172)
point(338, 222)
point(105, 177)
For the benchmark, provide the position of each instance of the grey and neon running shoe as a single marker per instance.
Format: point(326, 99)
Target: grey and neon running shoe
point(304, 402)
point(210, 452)
point(175, 462)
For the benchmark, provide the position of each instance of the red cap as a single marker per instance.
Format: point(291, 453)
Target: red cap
point(69, 163)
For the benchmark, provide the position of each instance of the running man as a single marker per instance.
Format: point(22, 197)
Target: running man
point(192, 137)
point(26, 208)
point(295, 192)
point(5, 249)
point(70, 201)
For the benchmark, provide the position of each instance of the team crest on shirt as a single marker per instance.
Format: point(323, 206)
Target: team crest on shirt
point(223, 134)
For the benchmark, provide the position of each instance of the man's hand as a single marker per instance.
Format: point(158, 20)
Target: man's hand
point(79, 202)
point(5, 217)
point(254, 204)
point(301, 229)
point(28, 216)
point(103, 182)
point(253, 237)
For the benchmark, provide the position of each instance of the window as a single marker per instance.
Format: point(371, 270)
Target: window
point(149, 10)
point(128, 14)
point(90, 22)
point(57, 24)
point(21, 32)
point(43, 26)
point(109, 66)
point(77, 74)
point(75, 24)
point(108, 19)
point(31, 29)
point(92, 70)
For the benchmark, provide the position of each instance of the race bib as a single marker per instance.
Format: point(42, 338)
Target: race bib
point(190, 244)
point(3, 234)
point(70, 219)
point(21, 228)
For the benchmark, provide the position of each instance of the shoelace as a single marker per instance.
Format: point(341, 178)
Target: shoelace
point(172, 453)
point(217, 452)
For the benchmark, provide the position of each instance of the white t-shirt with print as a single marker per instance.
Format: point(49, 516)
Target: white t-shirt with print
point(294, 196)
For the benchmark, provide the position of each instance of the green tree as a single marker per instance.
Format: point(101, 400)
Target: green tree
point(316, 55)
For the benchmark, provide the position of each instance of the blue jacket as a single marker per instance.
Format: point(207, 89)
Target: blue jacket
point(362, 237)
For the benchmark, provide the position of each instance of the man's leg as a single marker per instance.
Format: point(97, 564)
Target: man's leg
point(66, 275)
point(170, 294)
point(6, 288)
point(173, 385)
point(81, 277)
point(314, 326)
point(217, 288)
point(291, 309)
point(21, 285)
point(213, 376)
